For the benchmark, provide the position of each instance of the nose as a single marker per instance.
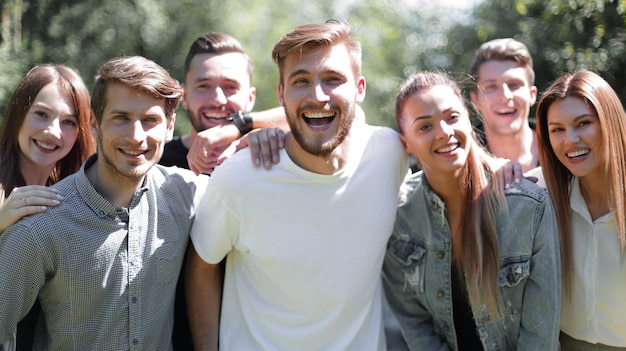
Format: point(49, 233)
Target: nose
point(136, 132)
point(445, 131)
point(506, 92)
point(54, 127)
point(217, 96)
point(319, 92)
point(572, 136)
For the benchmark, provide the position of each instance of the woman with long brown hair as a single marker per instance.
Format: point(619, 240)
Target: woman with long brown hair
point(470, 265)
point(581, 127)
point(45, 136)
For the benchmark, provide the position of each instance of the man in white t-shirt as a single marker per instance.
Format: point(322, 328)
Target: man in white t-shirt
point(305, 240)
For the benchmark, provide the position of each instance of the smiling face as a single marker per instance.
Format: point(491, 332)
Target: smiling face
point(50, 128)
point(216, 86)
point(504, 97)
point(435, 129)
point(131, 134)
point(319, 93)
point(576, 136)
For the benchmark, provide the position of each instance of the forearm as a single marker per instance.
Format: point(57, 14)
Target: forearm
point(272, 118)
point(203, 289)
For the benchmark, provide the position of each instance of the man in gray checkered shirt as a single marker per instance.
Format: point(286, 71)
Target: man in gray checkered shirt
point(104, 263)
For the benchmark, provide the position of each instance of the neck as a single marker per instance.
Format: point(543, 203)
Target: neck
point(446, 186)
point(596, 194)
point(328, 164)
point(519, 147)
point(35, 174)
point(117, 189)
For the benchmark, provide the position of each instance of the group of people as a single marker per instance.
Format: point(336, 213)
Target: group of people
point(292, 257)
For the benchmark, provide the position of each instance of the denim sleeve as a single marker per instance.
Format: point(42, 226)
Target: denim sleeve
point(416, 322)
point(539, 329)
point(22, 273)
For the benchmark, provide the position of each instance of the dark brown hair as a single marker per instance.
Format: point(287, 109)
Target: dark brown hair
point(216, 43)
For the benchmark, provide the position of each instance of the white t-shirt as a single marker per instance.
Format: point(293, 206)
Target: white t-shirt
point(305, 250)
point(596, 312)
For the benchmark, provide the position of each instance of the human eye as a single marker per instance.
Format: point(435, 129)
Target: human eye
point(231, 89)
point(454, 117)
point(300, 81)
point(119, 117)
point(556, 129)
point(584, 122)
point(41, 114)
point(423, 127)
point(515, 85)
point(70, 122)
point(335, 80)
point(489, 87)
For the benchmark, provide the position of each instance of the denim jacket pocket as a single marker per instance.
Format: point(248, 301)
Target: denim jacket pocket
point(409, 255)
point(513, 271)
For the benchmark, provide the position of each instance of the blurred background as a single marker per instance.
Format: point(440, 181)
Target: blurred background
point(399, 37)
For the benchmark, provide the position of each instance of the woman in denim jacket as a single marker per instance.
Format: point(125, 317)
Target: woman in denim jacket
point(469, 265)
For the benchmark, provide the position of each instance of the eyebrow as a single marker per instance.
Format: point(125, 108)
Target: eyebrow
point(577, 118)
point(43, 105)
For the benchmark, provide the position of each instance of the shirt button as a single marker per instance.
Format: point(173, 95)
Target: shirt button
point(440, 294)
point(434, 206)
point(135, 341)
point(440, 255)
point(446, 328)
point(134, 299)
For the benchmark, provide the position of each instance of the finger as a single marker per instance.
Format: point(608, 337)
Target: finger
point(252, 139)
point(507, 174)
point(44, 193)
point(267, 140)
point(281, 136)
point(274, 142)
point(517, 172)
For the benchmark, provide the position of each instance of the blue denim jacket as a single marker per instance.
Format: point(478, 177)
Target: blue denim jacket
point(417, 272)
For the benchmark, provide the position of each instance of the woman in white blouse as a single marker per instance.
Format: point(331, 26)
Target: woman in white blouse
point(581, 126)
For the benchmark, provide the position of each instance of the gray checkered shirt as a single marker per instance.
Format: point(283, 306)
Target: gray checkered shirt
point(105, 276)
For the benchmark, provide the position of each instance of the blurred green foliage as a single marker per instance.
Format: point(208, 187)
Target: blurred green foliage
point(399, 37)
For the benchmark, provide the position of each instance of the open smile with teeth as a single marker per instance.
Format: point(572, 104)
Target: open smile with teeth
point(214, 116)
point(45, 146)
point(133, 152)
point(578, 153)
point(317, 119)
point(448, 148)
point(506, 111)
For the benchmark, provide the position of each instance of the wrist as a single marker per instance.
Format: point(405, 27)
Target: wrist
point(242, 120)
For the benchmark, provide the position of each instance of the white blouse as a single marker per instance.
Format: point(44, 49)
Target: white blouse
point(596, 312)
